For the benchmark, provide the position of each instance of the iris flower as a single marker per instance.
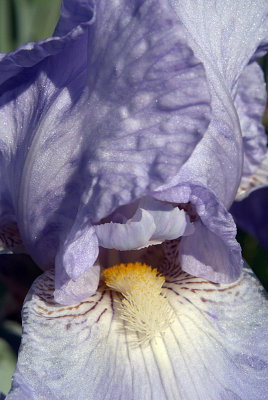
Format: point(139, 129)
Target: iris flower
point(122, 145)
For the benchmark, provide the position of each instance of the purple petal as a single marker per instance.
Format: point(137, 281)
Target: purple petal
point(78, 251)
point(250, 102)
point(224, 35)
point(170, 221)
point(212, 251)
point(114, 113)
point(152, 222)
point(228, 33)
point(225, 39)
point(68, 291)
point(147, 103)
point(251, 215)
point(215, 348)
point(73, 14)
point(206, 255)
point(76, 15)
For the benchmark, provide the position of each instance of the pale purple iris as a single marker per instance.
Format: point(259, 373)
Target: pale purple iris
point(124, 138)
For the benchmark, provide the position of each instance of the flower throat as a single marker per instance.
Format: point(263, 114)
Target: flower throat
point(144, 306)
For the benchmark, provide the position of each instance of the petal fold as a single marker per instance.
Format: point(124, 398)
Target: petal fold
point(153, 222)
point(170, 221)
point(76, 15)
point(212, 251)
point(206, 255)
point(69, 291)
point(135, 233)
point(79, 251)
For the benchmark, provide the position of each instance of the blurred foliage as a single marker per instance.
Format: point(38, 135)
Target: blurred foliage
point(17, 272)
point(22, 21)
point(7, 364)
point(10, 332)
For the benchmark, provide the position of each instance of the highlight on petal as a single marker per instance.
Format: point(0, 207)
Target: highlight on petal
point(135, 233)
point(227, 33)
point(214, 349)
point(224, 35)
point(153, 222)
point(170, 221)
point(79, 251)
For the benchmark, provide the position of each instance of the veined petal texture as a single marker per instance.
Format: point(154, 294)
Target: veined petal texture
point(214, 349)
point(112, 115)
point(225, 36)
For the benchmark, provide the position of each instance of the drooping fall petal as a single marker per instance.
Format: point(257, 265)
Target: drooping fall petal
point(214, 349)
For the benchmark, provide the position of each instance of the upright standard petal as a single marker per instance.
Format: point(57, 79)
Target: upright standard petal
point(224, 35)
point(112, 115)
point(214, 349)
point(225, 39)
